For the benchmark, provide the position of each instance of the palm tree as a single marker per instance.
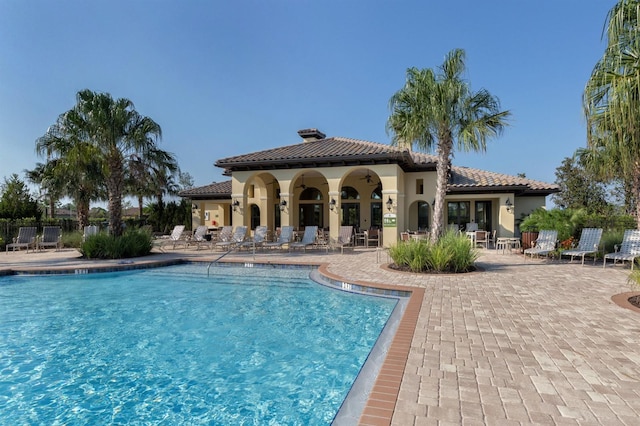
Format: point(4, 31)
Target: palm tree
point(44, 176)
point(115, 130)
point(73, 168)
point(150, 172)
point(611, 101)
point(436, 109)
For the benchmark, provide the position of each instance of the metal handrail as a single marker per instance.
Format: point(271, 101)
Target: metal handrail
point(216, 261)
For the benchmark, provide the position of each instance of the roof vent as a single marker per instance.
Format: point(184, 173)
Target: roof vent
point(311, 135)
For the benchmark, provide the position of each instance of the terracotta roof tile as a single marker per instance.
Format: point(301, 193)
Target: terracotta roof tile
point(214, 190)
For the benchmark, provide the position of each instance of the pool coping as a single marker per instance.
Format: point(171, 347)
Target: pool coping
point(382, 399)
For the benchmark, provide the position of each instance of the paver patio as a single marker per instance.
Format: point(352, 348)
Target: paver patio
point(534, 343)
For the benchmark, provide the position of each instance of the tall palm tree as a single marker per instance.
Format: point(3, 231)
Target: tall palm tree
point(438, 109)
point(73, 168)
point(149, 172)
point(44, 176)
point(115, 129)
point(611, 101)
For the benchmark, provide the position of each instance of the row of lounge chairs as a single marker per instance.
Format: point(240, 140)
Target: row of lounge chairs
point(589, 244)
point(229, 238)
point(28, 238)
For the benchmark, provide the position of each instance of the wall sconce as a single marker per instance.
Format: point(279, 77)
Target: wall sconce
point(283, 205)
point(194, 207)
point(389, 204)
point(332, 204)
point(509, 205)
point(235, 205)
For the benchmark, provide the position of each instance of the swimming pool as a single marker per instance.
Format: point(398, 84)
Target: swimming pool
point(170, 346)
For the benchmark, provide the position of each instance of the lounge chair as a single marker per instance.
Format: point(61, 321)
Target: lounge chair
point(308, 239)
point(345, 238)
point(629, 249)
point(544, 244)
point(89, 231)
point(285, 238)
point(224, 234)
point(588, 244)
point(26, 238)
point(199, 237)
point(237, 237)
point(51, 237)
point(322, 240)
point(174, 239)
point(259, 238)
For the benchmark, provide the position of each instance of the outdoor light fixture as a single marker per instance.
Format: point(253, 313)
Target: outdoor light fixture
point(509, 205)
point(283, 204)
point(332, 204)
point(235, 205)
point(389, 204)
point(194, 207)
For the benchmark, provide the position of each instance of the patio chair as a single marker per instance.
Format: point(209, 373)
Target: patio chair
point(238, 236)
point(372, 235)
point(199, 237)
point(322, 240)
point(259, 238)
point(26, 238)
point(174, 239)
point(545, 244)
point(588, 244)
point(89, 231)
point(345, 238)
point(285, 238)
point(308, 239)
point(51, 237)
point(482, 237)
point(629, 249)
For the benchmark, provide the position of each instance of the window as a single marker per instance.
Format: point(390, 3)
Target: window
point(349, 193)
point(255, 216)
point(350, 214)
point(376, 214)
point(483, 215)
point(377, 193)
point(419, 186)
point(423, 215)
point(309, 194)
point(459, 213)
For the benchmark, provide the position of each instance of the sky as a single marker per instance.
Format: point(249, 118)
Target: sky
point(226, 78)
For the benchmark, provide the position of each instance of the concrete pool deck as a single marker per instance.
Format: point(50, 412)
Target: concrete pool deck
point(518, 343)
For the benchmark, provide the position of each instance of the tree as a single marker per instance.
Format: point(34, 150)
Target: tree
point(150, 172)
point(73, 167)
point(438, 109)
point(113, 130)
point(579, 188)
point(16, 201)
point(611, 102)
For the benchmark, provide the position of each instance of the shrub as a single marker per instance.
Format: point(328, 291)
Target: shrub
point(133, 243)
point(72, 239)
point(452, 253)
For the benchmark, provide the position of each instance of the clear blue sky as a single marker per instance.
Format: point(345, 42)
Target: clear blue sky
point(225, 78)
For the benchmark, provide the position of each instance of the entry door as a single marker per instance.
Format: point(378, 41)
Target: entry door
point(350, 214)
point(483, 215)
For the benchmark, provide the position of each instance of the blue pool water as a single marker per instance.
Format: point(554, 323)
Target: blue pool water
point(171, 346)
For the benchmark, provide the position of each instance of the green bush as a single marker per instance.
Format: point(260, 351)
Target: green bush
point(72, 239)
point(452, 253)
point(133, 243)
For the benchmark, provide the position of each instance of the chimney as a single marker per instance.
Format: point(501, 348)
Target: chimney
point(309, 135)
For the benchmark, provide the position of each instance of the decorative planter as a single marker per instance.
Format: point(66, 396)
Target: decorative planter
point(528, 237)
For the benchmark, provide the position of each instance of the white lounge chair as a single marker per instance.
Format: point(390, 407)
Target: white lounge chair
point(259, 238)
point(174, 239)
point(345, 238)
point(308, 239)
point(89, 231)
point(26, 238)
point(285, 238)
point(239, 234)
point(199, 237)
point(629, 249)
point(544, 244)
point(51, 237)
point(588, 244)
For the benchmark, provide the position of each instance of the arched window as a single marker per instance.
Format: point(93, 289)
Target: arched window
point(377, 193)
point(310, 194)
point(349, 193)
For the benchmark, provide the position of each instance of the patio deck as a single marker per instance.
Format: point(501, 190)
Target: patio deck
point(534, 343)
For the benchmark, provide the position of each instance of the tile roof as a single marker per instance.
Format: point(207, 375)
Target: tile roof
point(345, 151)
point(214, 190)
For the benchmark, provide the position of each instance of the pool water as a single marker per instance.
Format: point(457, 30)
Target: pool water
point(245, 346)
